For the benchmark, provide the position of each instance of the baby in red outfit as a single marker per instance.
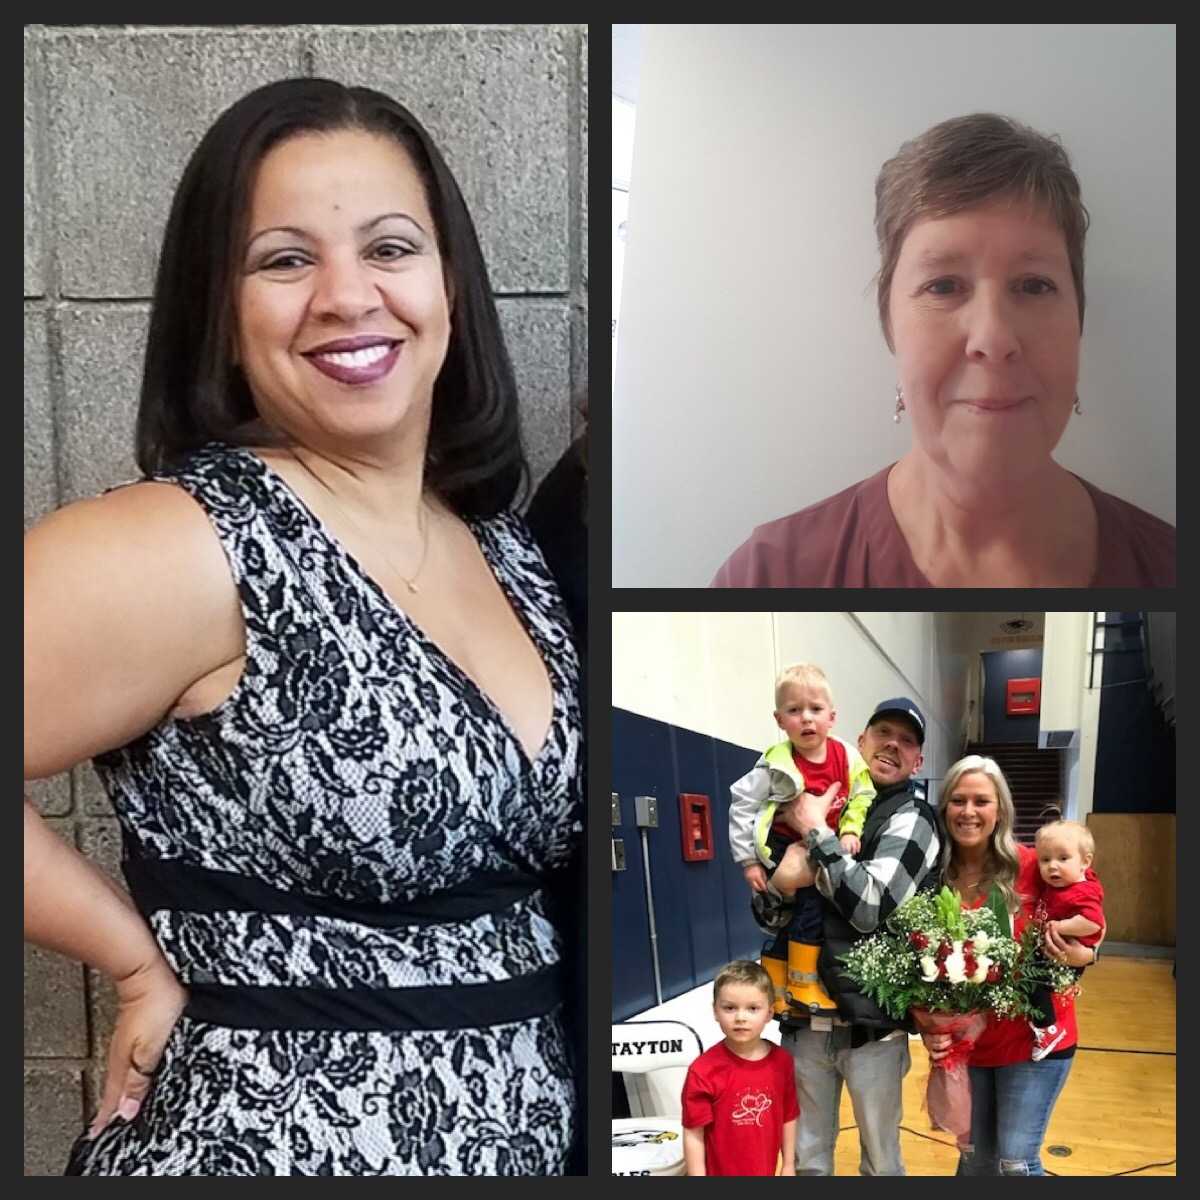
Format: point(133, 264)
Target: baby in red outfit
point(1073, 900)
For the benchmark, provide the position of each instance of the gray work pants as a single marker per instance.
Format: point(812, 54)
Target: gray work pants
point(874, 1073)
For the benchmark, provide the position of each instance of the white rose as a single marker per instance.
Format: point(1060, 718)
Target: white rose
point(982, 941)
point(981, 969)
point(929, 968)
point(956, 966)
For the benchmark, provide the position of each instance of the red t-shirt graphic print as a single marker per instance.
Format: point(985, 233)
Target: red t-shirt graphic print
point(742, 1106)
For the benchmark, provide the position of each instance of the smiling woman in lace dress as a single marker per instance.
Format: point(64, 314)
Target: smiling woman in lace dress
point(326, 679)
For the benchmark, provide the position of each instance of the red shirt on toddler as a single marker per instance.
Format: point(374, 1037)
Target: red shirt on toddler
point(1083, 899)
point(743, 1106)
point(1008, 1040)
point(817, 777)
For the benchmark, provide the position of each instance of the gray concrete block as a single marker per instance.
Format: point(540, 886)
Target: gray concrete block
point(41, 488)
point(579, 368)
point(54, 1118)
point(55, 1012)
point(100, 841)
point(90, 796)
point(93, 1089)
point(583, 159)
point(495, 102)
point(102, 1011)
point(51, 797)
point(126, 110)
point(35, 284)
point(102, 348)
point(537, 333)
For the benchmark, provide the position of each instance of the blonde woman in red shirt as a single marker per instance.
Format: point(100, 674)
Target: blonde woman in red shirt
point(1012, 1097)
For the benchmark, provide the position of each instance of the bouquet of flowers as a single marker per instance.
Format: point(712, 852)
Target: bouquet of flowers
point(1036, 965)
point(949, 968)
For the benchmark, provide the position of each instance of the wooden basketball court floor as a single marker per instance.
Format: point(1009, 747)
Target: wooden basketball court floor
point(1116, 1112)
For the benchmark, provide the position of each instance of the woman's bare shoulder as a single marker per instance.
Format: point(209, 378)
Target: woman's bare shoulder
point(151, 541)
point(135, 507)
point(128, 601)
point(135, 536)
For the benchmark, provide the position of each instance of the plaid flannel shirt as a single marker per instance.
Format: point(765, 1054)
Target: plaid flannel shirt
point(867, 893)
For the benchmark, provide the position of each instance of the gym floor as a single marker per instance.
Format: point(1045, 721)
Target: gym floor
point(1116, 1114)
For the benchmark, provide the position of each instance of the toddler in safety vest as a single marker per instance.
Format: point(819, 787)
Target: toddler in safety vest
point(1072, 901)
point(739, 1097)
point(772, 855)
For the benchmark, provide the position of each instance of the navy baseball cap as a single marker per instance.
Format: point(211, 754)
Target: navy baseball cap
point(901, 706)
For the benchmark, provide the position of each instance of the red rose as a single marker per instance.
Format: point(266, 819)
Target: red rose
point(941, 966)
point(918, 940)
point(968, 946)
point(969, 964)
point(943, 951)
point(993, 975)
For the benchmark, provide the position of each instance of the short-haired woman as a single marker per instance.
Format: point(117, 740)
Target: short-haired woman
point(981, 299)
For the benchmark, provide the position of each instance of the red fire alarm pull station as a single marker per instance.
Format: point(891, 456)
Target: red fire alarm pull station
point(1024, 697)
point(695, 821)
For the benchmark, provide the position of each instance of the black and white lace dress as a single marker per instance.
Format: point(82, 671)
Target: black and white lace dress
point(342, 864)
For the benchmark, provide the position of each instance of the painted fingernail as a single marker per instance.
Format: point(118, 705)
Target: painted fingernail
point(129, 1108)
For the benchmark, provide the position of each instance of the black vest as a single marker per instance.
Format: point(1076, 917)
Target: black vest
point(840, 935)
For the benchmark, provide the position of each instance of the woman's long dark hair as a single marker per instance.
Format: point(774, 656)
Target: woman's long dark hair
point(191, 391)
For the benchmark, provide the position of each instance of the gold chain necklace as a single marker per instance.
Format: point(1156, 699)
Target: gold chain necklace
point(962, 881)
point(410, 581)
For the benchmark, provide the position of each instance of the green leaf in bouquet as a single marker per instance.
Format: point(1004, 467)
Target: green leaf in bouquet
point(1035, 969)
point(995, 902)
point(950, 917)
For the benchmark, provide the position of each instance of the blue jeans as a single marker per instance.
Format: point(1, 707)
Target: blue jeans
point(1010, 1109)
point(874, 1073)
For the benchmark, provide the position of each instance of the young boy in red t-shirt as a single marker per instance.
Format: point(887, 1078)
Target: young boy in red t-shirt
point(1071, 900)
point(739, 1098)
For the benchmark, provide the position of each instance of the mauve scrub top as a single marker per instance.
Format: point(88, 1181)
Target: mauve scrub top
point(852, 540)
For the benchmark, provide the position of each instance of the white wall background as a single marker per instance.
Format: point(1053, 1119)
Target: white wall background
point(749, 331)
point(715, 672)
point(710, 672)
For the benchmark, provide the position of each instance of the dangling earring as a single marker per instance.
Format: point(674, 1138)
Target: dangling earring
point(899, 404)
point(1078, 406)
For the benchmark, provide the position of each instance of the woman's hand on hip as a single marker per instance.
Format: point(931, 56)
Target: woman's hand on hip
point(149, 1003)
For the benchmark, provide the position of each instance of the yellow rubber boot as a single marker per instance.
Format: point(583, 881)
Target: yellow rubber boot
point(777, 968)
point(804, 987)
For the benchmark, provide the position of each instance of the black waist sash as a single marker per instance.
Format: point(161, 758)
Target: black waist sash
point(157, 884)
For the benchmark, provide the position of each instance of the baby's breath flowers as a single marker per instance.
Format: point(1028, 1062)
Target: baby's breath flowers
point(948, 968)
point(935, 955)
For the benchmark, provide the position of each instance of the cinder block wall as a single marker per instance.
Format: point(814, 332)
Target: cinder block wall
point(111, 114)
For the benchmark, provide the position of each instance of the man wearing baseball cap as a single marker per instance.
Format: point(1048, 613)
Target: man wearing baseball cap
point(862, 1047)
